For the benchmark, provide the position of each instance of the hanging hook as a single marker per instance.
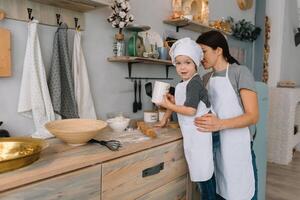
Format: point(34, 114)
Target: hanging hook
point(29, 11)
point(58, 19)
point(77, 27)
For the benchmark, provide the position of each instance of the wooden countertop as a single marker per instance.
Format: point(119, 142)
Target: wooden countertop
point(60, 158)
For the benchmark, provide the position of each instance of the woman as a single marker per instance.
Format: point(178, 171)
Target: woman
point(231, 90)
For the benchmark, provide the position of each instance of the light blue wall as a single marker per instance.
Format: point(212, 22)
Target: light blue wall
point(110, 90)
point(260, 41)
point(260, 143)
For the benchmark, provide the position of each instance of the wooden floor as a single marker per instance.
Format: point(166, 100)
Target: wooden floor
point(283, 181)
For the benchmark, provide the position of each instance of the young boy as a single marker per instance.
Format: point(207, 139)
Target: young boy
point(191, 100)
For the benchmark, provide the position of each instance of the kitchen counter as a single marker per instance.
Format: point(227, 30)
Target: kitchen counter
point(60, 158)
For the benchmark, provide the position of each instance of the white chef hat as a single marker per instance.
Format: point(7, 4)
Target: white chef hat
point(186, 47)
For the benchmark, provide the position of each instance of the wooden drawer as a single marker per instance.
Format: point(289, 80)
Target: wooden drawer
point(135, 175)
point(82, 184)
point(175, 190)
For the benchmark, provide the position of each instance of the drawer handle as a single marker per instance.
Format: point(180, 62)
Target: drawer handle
point(153, 170)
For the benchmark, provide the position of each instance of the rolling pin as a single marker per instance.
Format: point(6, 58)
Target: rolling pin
point(146, 129)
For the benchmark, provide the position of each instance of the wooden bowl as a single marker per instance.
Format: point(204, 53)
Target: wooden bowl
point(75, 132)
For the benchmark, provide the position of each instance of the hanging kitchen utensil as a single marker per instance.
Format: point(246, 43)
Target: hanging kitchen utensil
point(5, 53)
point(113, 145)
point(135, 103)
point(2, 14)
point(140, 100)
point(148, 89)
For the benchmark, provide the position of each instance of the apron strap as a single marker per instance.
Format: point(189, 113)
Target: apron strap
point(227, 70)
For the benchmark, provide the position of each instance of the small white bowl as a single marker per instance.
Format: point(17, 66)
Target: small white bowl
point(118, 124)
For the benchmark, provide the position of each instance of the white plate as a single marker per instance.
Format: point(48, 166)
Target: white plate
point(153, 36)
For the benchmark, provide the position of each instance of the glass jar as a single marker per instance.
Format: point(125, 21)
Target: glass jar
point(119, 45)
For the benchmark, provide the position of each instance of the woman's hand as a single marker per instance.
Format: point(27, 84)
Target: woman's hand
point(208, 123)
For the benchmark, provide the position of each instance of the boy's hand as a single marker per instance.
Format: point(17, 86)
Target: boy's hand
point(168, 101)
point(162, 123)
point(171, 98)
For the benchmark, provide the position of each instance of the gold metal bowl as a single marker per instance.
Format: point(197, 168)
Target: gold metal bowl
point(17, 152)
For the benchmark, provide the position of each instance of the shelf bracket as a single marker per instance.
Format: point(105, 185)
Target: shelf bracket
point(167, 70)
point(178, 27)
point(148, 78)
point(129, 69)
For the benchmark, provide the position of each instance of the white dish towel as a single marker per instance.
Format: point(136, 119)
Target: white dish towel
point(83, 95)
point(34, 99)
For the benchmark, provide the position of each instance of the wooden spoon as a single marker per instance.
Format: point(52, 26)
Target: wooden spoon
point(2, 14)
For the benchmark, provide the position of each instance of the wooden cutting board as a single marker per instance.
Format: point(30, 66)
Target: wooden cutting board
point(2, 14)
point(5, 53)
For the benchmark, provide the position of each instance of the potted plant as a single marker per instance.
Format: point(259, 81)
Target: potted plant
point(120, 18)
point(244, 30)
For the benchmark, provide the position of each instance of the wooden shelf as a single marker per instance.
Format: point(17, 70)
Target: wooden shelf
point(45, 10)
point(191, 25)
point(130, 60)
point(77, 5)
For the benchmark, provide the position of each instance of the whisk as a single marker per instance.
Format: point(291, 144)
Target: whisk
point(113, 145)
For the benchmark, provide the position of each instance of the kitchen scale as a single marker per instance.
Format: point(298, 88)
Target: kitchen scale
point(135, 43)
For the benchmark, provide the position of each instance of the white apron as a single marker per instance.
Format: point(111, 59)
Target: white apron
point(197, 145)
point(234, 171)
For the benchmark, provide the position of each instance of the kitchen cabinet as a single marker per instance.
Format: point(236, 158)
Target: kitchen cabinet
point(81, 184)
point(133, 176)
point(131, 60)
point(174, 190)
point(142, 169)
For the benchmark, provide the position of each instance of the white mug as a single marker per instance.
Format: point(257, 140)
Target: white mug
point(160, 89)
